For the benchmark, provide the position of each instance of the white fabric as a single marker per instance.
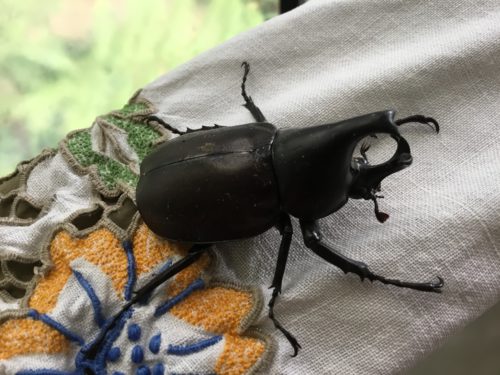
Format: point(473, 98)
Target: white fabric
point(53, 185)
point(72, 308)
point(16, 364)
point(332, 60)
point(8, 306)
point(170, 327)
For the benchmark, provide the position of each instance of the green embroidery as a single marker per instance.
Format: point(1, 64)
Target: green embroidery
point(140, 137)
point(110, 171)
point(133, 108)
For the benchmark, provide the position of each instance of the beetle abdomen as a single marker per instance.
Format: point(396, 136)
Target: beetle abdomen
point(216, 185)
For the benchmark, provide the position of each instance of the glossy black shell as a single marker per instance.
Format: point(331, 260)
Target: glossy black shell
point(211, 186)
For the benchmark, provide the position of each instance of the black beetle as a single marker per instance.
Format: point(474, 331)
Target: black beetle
point(230, 183)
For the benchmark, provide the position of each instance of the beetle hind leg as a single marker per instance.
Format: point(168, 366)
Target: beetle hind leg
point(312, 239)
point(286, 231)
point(249, 104)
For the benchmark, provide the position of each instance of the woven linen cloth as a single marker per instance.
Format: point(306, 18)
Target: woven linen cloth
point(331, 60)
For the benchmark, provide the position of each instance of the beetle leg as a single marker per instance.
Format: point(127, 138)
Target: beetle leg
point(158, 120)
point(286, 231)
point(421, 120)
point(312, 239)
point(193, 255)
point(249, 104)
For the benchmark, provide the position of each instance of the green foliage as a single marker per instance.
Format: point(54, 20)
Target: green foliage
point(59, 70)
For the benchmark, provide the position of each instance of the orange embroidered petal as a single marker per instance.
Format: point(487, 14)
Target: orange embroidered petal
point(45, 295)
point(150, 250)
point(239, 355)
point(101, 248)
point(217, 309)
point(187, 276)
point(27, 336)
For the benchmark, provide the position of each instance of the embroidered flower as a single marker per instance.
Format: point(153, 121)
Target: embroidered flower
point(186, 326)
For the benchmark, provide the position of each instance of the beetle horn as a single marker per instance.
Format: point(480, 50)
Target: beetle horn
point(429, 121)
point(367, 181)
point(371, 176)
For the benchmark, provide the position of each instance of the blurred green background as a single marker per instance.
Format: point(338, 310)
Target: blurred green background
point(63, 62)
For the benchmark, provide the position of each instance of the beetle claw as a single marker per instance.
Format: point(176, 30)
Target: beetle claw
point(429, 121)
point(296, 348)
point(437, 287)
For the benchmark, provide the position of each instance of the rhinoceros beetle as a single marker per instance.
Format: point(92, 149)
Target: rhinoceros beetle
point(230, 183)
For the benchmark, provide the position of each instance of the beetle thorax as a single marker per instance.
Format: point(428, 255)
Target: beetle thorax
point(313, 171)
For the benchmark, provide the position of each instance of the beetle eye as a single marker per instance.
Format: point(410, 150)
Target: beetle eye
point(374, 150)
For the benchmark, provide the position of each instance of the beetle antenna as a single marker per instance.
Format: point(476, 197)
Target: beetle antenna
point(429, 121)
point(381, 216)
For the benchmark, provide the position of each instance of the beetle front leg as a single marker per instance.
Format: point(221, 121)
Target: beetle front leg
point(312, 239)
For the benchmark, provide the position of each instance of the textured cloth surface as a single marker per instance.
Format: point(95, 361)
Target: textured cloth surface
point(332, 60)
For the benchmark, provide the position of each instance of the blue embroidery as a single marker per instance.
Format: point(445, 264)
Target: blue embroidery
point(110, 339)
point(143, 370)
point(96, 303)
point(118, 373)
point(163, 308)
point(134, 332)
point(165, 266)
point(129, 287)
point(98, 365)
point(137, 354)
point(114, 354)
point(154, 343)
point(158, 369)
point(57, 326)
point(193, 348)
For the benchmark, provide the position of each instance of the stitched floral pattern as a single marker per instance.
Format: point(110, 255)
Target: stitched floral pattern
point(42, 195)
point(67, 202)
point(186, 326)
point(72, 252)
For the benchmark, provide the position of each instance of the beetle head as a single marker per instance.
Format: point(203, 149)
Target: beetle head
point(367, 178)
